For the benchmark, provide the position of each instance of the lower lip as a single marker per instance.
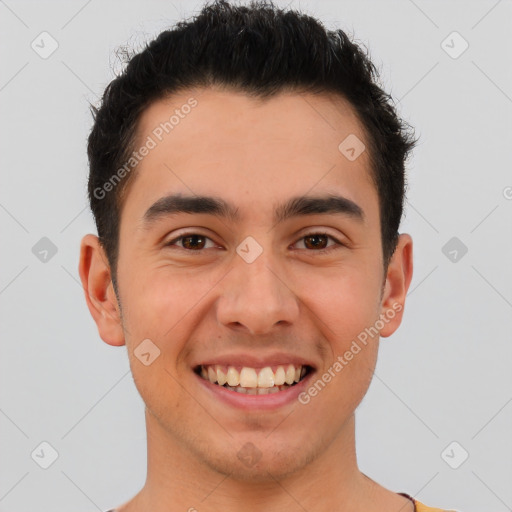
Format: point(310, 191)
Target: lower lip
point(246, 402)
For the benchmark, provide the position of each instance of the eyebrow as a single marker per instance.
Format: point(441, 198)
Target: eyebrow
point(294, 207)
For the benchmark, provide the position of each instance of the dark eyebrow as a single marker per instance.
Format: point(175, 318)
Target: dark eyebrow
point(296, 206)
point(178, 203)
point(307, 205)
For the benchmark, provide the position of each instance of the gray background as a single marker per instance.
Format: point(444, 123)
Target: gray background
point(443, 377)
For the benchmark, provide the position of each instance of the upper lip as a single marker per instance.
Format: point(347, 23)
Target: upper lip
point(254, 361)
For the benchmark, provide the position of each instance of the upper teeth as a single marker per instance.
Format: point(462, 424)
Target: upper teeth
point(251, 377)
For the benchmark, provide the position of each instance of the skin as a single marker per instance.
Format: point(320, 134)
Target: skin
point(196, 303)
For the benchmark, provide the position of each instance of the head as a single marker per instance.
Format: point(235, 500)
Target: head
point(261, 51)
point(245, 114)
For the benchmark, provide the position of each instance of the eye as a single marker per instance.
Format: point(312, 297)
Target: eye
point(192, 242)
point(319, 242)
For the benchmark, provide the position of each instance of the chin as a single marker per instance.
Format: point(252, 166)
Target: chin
point(259, 462)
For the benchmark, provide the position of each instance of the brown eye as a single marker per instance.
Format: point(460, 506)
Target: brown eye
point(319, 242)
point(316, 241)
point(193, 242)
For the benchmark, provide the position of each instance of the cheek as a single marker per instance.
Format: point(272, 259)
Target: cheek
point(158, 315)
point(346, 301)
point(154, 302)
point(165, 305)
point(347, 306)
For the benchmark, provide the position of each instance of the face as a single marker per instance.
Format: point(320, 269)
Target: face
point(248, 240)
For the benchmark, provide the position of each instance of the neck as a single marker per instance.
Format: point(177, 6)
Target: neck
point(180, 480)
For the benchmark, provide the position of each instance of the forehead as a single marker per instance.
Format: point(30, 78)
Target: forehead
point(226, 143)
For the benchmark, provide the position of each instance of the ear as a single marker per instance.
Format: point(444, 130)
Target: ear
point(398, 279)
point(99, 291)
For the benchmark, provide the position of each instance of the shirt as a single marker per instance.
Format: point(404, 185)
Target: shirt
point(418, 507)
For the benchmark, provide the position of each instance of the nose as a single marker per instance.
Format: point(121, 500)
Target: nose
point(256, 297)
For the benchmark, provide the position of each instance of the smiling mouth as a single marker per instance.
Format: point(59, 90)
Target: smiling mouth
point(254, 381)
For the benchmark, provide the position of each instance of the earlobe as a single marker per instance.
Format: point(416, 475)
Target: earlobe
point(398, 279)
point(96, 280)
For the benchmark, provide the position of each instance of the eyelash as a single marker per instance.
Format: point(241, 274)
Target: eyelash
point(326, 250)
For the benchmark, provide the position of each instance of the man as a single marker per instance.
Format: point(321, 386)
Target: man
point(247, 182)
